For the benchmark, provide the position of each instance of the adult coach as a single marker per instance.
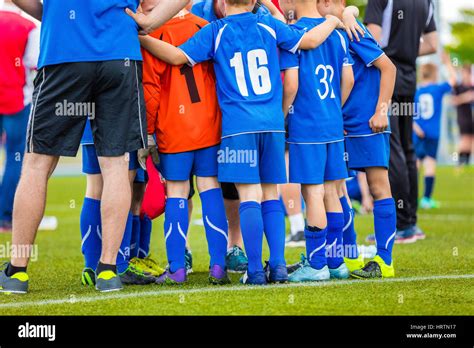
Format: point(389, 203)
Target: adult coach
point(19, 44)
point(405, 29)
point(89, 66)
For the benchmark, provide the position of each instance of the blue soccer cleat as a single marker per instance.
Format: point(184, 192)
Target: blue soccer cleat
point(236, 261)
point(341, 272)
point(256, 278)
point(306, 273)
point(278, 274)
point(108, 281)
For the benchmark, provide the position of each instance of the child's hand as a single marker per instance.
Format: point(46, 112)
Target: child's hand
point(337, 22)
point(353, 29)
point(141, 19)
point(151, 150)
point(378, 122)
point(419, 132)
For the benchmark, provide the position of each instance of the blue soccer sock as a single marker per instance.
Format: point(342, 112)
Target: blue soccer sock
point(176, 229)
point(251, 224)
point(135, 239)
point(91, 232)
point(316, 246)
point(349, 236)
point(429, 184)
point(215, 223)
point(385, 224)
point(334, 239)
point(123, 256)
point(274, 227)
point(145, 236)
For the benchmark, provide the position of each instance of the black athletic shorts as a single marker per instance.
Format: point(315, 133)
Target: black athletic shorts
point(110, 93)
point(229, 191)
point(466, 123)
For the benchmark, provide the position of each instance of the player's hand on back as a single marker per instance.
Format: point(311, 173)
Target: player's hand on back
point(337, 21)
point(151, 150)
point(353, 29)
point(379, 122)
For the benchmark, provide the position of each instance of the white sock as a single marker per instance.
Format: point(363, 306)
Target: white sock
point(296, 223)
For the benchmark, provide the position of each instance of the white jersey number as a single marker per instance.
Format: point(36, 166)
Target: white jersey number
point(258, 72)
point(426, 106)
point(327, 73)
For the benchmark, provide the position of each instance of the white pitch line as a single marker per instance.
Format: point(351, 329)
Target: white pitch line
point(119, 295)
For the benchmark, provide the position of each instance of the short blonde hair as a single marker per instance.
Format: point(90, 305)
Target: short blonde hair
point(428, 71)
point(239, 2)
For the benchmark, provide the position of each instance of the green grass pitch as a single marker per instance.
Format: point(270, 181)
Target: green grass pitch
point(434, 276)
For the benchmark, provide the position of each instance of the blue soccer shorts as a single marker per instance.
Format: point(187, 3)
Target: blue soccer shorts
point(90, 161)
point(425, 147)
point(313, 164)
point(253, 158)
point(368, 151)
point(180, 166)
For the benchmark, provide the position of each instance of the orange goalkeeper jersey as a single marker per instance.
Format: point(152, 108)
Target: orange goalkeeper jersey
point(181, 101)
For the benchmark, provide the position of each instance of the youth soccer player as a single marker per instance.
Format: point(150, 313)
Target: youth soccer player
point(426, 127)
point(317, 83)
point(243, 47)
point(182, 111)
point(367, 137)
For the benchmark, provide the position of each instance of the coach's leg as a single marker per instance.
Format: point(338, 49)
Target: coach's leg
point(115, 205)
point(406, 136)
point(30, 201)
point(398, 174)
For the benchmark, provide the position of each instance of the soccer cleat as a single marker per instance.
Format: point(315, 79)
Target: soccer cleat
point(306, 273)
point(218, 275)
point(406, 236)
point(134, 276)
point(15, 284)
point(376, 268)
point(235, 260)
point(278, 274)
point(341, 272)
point(295, 240)
point(88, 277)
point(176, 278)
point(354, 264)
point(188, 258)
point(256, 278)
point(419, 234)
point(108, 281)
point(147, 265)
point(429, 203)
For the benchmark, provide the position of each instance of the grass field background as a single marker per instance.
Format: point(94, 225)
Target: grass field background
point(434, 276)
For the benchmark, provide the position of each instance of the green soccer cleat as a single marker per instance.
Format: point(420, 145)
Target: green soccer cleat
point(108, 281)
point(147, 265)
point(376, 268)
point(429, 203)
point(15, 284)
point(88, 277)
point(354, 264)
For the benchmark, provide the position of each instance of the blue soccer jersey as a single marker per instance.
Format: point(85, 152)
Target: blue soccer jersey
point(316, 116)
point(429, 105)
point(244, 48)
point(362, 102)
point(88, 31)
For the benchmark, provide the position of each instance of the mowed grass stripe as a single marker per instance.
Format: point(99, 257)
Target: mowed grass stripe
point(183, 291)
